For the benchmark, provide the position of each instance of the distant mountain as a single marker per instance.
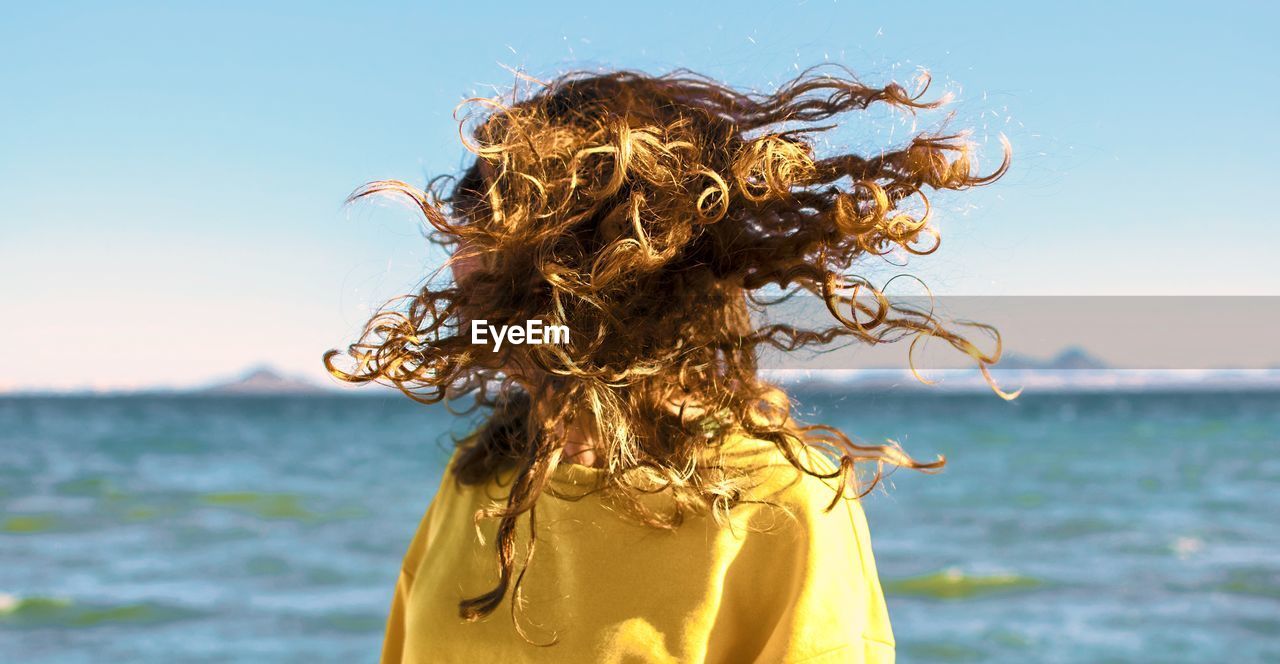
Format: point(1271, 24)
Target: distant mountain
point(264, 381)
point(1073, 358)
point(1072, 369)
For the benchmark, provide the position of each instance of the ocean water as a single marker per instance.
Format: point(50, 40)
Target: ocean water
point(1065, 528)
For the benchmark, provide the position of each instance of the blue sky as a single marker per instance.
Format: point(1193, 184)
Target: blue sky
point(171, 178)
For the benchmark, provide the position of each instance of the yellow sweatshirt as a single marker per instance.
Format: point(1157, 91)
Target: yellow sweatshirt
point(791, 582)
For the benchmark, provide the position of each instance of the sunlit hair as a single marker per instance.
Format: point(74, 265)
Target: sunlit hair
point(651, 215)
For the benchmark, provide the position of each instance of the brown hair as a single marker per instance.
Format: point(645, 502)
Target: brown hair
point(646, 213)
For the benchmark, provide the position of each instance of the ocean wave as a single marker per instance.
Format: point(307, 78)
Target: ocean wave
point(23, 524)
point(955, 584)
point(61, 612)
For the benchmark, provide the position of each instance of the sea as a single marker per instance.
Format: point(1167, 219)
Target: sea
point(1066, 527)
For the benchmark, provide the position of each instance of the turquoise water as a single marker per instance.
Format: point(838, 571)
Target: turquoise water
point(1066, 528)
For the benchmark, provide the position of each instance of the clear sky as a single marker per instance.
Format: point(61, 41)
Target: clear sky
point(171, 179)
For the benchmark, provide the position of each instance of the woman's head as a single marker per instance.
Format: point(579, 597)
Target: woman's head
point(647, 214)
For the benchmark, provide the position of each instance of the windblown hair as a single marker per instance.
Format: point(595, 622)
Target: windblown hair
point(651, 215)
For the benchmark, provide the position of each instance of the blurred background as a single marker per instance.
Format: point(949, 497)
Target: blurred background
point(179, 479)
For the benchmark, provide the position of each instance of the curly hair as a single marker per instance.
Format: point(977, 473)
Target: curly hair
point(649, 214)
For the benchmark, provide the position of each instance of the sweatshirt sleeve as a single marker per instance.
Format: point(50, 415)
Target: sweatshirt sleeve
point(806, 589)
point(393, 642)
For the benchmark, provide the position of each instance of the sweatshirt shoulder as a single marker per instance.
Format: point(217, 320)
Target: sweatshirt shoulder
point(772, 478)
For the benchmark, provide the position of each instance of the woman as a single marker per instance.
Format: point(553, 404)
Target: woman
point(637, 491)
